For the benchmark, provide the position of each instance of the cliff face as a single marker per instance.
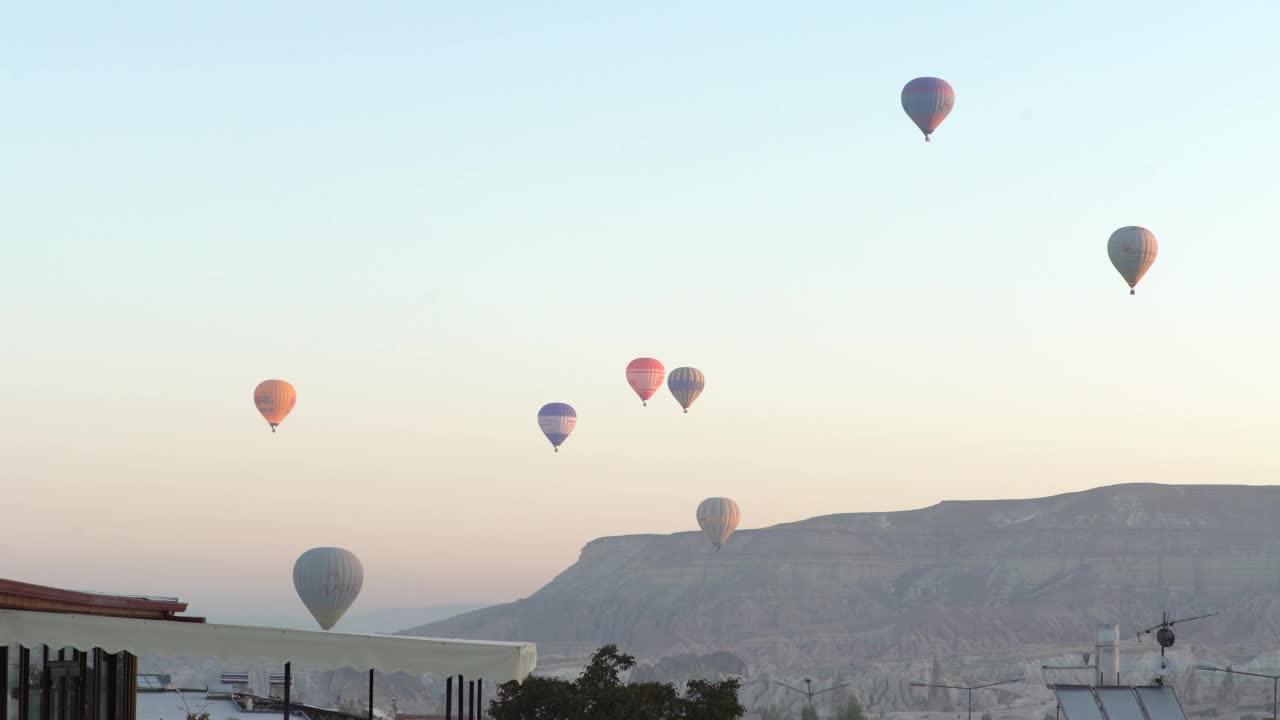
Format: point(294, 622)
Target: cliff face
point(959, 578)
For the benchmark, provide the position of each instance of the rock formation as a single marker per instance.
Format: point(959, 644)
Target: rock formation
point(877, 596)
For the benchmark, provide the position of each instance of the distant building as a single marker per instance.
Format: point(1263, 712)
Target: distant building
point(176, 704)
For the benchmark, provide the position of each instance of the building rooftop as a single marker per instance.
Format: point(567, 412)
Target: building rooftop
point(15, 595)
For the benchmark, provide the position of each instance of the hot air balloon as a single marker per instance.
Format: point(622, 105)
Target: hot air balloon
point(557, 420)
point(1132, 250)
point(274, 398)
point(645, 376)
point(718, 518)
point(328, 579)
point(686, 385)
point(928, 101)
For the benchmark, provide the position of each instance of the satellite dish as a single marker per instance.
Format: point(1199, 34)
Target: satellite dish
point(1164, 631)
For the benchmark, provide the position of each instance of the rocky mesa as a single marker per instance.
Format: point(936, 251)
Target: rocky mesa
point(961, 578)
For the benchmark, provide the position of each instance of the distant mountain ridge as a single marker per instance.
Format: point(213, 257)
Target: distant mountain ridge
point(960, 577)
point(377, 622)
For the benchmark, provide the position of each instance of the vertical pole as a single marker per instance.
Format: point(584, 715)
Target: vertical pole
point(85, 685)
point(24, 682)
point(479, 700)
point(44, 684)
point(460, 684)
point(131, 687)
point(471, 700)
point(96, 691)
point(113, 687)
point(4, 682)
point(288, 680)
point(370, 693)
point(970, 703)
point(448, 698)
point(1275, 694)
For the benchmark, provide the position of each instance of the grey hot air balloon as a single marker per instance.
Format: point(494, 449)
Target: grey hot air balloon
point(718, 518)
point(328, 579)
point(1132, 250)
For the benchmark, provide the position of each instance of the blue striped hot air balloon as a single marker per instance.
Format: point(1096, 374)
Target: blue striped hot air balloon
point(557, 420)
point(686, 385)
point(928, 101)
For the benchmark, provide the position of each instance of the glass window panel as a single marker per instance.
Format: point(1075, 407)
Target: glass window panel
point(103, 671)
point(11, 686)
point(55, 697)
point(73, 699)
point(35, 681)
point(122, 686)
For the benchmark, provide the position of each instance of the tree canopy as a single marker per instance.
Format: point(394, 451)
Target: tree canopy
point(599, 694)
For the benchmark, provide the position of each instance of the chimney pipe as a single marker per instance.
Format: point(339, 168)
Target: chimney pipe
point(1107, 657)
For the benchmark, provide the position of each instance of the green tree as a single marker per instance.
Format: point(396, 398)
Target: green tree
point(707, 700)
point(599, 694)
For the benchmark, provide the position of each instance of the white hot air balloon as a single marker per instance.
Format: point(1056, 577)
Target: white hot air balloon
point(718, 518)
point(327, 579)
point(1132, 250)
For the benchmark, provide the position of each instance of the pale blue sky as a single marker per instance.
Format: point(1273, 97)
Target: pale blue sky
point(433, 218)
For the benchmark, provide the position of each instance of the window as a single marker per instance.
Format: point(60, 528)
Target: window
point(31, 661)
point(9, 656)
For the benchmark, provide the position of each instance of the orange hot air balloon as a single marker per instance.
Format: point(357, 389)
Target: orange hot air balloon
point(274, 398)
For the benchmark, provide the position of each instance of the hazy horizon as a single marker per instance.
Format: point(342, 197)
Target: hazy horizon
point(433, 220)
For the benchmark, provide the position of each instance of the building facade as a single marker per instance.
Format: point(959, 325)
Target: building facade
point(41, 682)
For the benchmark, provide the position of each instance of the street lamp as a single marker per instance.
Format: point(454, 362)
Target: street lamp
point(808, 683)
point(1275, 682)
point(968, 688)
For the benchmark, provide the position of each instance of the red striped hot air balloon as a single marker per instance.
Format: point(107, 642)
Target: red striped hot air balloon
point(275, 399)
point(645, 375)
point(928, 101)
point(1132, 250)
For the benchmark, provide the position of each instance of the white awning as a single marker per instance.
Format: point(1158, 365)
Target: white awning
point(493, 661)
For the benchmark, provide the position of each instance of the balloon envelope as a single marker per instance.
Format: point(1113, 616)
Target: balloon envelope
point(327, 579)
point(1132, 250)
point(928, 101)
point(686, 385)
point(275, 399)
point(557, 420)
point(645, 376)
point(718, 518)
